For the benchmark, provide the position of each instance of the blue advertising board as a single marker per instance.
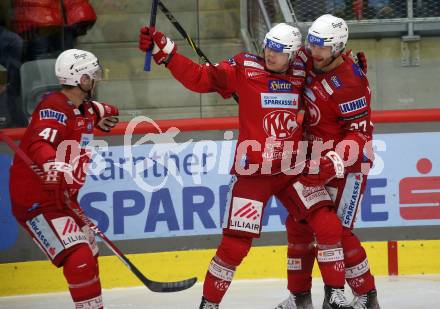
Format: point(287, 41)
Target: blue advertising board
point(167, 190)
point(402, 189)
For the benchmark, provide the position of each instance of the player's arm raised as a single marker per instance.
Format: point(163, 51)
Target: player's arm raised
point(200, 78)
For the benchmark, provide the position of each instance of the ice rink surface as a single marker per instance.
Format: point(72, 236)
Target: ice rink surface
point(402, 292)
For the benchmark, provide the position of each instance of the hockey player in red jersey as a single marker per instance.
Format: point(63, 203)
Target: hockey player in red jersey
point(44, 195)
point(269, 89)
point(337, 99)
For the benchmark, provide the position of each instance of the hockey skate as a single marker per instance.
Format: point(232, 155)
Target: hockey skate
point(207, 305)
point(366, 301)
point(334, 298)
point(297, 301)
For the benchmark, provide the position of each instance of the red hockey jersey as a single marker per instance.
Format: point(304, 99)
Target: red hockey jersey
point(338, 107)
point(268, 105)
point(60, 130)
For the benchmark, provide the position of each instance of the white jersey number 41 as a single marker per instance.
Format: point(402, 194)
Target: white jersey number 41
point(49, 134)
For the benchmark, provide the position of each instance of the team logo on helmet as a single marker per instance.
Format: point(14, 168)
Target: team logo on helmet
point(80, 56)
point(328, 30)
point(280, 124)
point(274, 45)
point(315, 40)
point(337, 25)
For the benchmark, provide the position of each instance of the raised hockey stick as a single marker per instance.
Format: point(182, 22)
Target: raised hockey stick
point(150, 284)
point(186, 36)
point(182, 32)
point(153, 13)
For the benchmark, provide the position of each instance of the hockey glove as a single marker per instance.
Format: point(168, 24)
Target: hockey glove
point(106, 115)
point(54, 181)
point(163, 47)
point(318, 173)
point(359, 59)
point(362, 61)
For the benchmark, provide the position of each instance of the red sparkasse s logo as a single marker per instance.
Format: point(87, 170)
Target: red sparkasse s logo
point(52, 251)
point(417, 192)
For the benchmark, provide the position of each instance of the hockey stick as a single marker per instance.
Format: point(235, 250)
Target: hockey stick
point(153, 13)
point(186, 36)
point(152, 285)
point(182, 32)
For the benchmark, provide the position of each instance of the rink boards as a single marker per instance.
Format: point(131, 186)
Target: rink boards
point(413, 257)
point(175, 246)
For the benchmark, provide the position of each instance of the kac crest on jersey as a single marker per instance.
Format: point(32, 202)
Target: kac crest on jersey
point(280, 124)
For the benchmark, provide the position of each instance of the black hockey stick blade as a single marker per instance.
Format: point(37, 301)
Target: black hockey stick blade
point(164, 287)
point(160, 287)
point(155, 286)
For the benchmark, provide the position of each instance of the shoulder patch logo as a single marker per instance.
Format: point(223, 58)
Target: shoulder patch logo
point(302, 56)
point(253, 64)
point(319, 90)
point(357, 70)
point(353, 106)
point(250, 73)
point(50, 114)
point(327, 87)
point(298, 64)
point(231, 61)
point(250, 56)
point(301, 73)
point(336, 81)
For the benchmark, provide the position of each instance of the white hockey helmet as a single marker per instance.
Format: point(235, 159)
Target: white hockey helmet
point(328, 30)
point(283, 38)
point(71, 64)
